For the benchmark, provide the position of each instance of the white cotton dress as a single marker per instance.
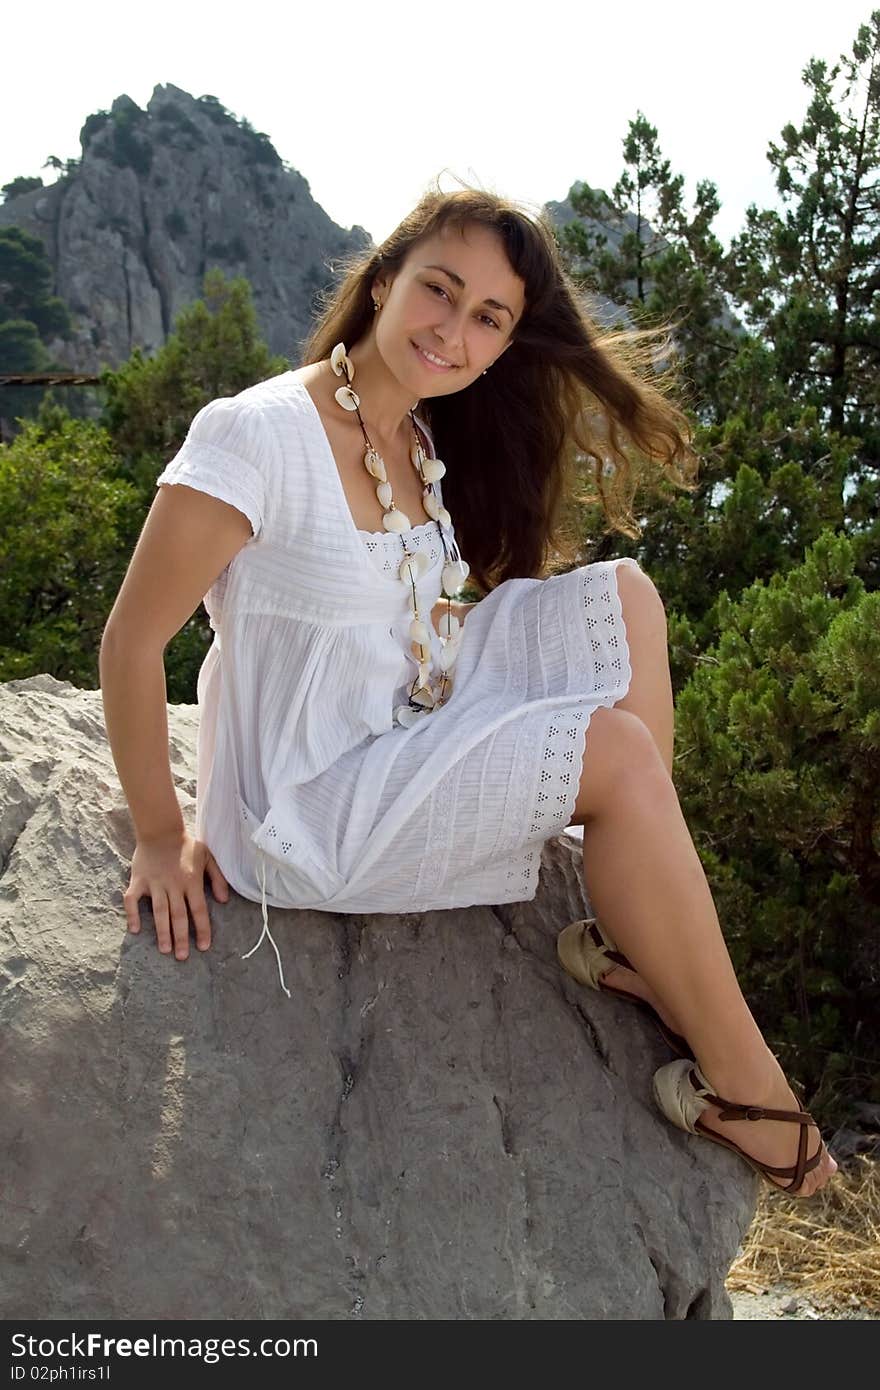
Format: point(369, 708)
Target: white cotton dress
point(308, 794)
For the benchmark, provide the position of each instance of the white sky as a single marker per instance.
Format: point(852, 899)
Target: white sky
point(369, 102)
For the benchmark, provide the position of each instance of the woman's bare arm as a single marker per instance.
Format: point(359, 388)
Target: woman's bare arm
point(188, 539)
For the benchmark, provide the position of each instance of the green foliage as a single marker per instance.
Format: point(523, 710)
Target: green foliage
point(29, 317)
point(131, 147)
point(18, 186)
point(216, 112)
point(215, 350)
point(178, 122)
point(808, 278)
point(25, 281)
point(65, 518)
point(20, 351)
point(778, 766)
point(92, 126)
point(640, 249)
point(258, 145)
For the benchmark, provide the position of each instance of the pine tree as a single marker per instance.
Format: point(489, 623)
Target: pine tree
point(809, 278)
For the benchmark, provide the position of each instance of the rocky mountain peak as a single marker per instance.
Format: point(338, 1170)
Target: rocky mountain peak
point(160, 195)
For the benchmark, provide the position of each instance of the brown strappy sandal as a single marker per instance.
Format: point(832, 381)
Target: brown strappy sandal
point(587, 952)
point(683, 1093)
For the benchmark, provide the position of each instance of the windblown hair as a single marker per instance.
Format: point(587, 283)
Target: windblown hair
point(567, 391)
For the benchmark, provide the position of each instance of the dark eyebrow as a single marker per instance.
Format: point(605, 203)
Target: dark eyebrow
point(457, 280)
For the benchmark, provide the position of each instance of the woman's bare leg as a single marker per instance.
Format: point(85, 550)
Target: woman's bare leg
point(646, 883)
point(650, 697)
point(665, 920)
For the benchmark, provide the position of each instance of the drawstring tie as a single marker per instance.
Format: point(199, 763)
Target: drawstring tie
point(266, 931)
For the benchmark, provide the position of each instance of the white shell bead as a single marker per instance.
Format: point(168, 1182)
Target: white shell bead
point(454, 576)
point(396, 520)
point(383, 492)
point(433, 469)
point(420, 562)
point(418, 631)
point(423, 697)
point(424, 672)
point(443, 517)
point(347, 398)
point(449, 625)
point(431, 505)
point(409, 570)
point(406, 715)
point(374, 464)
point(340, 361)
point(447, 657)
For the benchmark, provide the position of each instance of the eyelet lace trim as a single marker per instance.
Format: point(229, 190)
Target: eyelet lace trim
point(566, 738)
point(386, 551)
point(560, 775)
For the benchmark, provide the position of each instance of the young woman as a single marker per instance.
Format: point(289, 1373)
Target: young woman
point(369, 744)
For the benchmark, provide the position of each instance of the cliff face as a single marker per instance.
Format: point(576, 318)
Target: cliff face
point(158, 197)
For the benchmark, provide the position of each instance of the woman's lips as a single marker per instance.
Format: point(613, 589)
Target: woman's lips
point(432, 366)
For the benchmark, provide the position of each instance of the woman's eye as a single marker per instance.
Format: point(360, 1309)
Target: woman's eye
point(484, 316)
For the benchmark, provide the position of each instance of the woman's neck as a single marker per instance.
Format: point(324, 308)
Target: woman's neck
point(384, 403)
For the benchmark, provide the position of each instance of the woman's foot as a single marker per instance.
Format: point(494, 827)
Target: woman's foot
point(769, 1141)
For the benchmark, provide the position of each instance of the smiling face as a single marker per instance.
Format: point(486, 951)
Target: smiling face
point(455, 297)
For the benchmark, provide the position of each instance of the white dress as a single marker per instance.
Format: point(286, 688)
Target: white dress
point(308, 794)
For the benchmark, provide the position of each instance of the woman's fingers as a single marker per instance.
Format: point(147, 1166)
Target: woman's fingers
point(130, 900)
point(172, 875)
point(179, 925)
point(199, 909)
point(161, 917)
point(219, 886)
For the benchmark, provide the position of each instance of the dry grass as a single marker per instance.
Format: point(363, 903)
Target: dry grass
point(827, 1245)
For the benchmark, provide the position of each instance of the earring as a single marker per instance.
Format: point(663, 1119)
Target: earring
point(376, 304)
point(485, 370)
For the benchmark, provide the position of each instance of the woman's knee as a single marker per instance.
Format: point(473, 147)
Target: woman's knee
point(620, 751)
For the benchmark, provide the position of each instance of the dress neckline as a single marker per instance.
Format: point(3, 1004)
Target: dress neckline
point(363, 558)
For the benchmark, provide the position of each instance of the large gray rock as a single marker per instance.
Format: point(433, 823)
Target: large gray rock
point(438, 1124)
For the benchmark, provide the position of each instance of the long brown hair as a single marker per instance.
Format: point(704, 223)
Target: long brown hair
point(567, 391)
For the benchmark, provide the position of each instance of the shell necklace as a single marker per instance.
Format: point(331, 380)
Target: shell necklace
point(424, 697)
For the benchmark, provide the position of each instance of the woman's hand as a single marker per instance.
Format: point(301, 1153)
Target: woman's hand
point(171, 872)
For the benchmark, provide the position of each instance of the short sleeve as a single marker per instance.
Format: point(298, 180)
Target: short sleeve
point(226, 453)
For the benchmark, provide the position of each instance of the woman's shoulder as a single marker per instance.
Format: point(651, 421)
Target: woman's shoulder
point(283, 390)
point(279, 408)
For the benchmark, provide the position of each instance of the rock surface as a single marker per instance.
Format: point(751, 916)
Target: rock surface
point(158, 197)
point(439, 1124)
